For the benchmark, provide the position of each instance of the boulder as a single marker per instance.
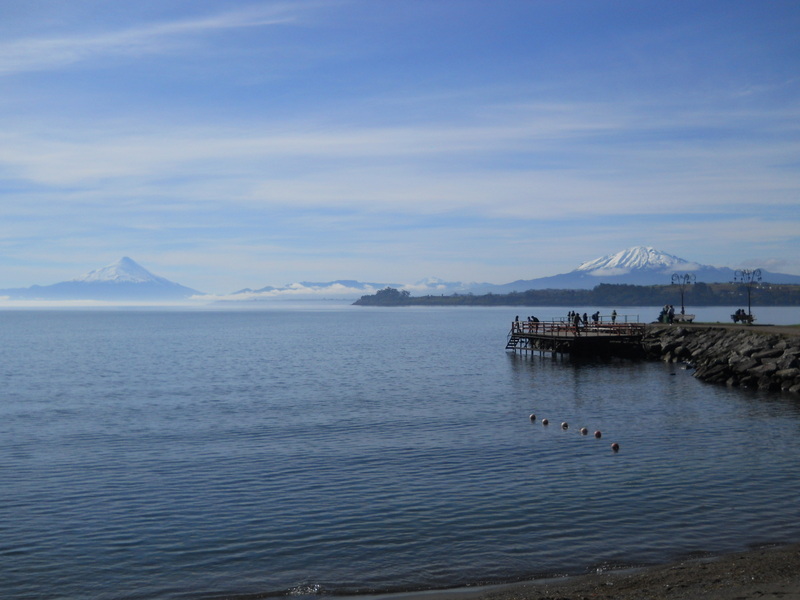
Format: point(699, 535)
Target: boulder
point(768, 353)
point(744, 365)
point(765, 369)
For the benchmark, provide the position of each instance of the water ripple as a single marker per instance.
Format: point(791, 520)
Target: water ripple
point(185, 455)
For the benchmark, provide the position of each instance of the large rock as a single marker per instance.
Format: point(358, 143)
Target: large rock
point(768, 353)
point(744, 365)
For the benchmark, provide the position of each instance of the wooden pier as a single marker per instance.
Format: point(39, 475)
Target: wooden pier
point(560, 337)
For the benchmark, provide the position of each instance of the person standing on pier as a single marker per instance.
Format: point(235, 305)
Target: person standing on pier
point(577, 322)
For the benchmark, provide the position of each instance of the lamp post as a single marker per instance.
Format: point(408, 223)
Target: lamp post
point(683, 281)
point(748, 277)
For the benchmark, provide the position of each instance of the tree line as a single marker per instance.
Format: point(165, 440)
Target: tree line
point(605, 294)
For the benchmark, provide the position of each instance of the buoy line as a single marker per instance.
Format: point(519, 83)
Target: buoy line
point(583, 430)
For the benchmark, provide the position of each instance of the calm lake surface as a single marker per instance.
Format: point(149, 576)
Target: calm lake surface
point(346, 450)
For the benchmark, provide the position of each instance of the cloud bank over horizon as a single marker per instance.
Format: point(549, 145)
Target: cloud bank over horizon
point(252, 143)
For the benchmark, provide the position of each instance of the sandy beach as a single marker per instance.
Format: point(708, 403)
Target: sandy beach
point(769, 573)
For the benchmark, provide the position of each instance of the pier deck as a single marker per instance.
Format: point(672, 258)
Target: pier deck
point(596, 339)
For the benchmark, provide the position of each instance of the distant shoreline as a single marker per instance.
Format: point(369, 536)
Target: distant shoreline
point(616, 295)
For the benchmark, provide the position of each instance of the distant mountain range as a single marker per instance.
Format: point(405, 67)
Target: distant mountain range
point(126, 280)
point(309, 287)
point(640, 265)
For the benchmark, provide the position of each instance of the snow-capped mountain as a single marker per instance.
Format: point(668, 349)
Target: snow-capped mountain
point(636, 258)
point(640, 265)
point(125, 270)
point(124, 280)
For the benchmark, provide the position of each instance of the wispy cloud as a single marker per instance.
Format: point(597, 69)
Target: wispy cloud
point(37, 54)
point(297, 291)
point(589, 160)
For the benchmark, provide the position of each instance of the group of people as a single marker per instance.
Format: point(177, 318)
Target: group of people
point(578, 320)
point(573, 318)
point(667, 314)
point(530, 320)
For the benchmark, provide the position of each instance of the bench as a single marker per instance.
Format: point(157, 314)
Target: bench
point(743, 318)
point(683, 318)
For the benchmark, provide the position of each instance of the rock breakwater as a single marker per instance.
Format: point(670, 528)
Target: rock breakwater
point(734, 356)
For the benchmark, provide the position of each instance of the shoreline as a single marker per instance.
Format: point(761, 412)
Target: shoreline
point(765, 573)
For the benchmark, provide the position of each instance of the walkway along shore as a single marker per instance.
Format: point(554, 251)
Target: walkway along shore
point(764, 357)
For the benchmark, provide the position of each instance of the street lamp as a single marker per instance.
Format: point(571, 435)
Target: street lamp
point(683, 281)
point(749, 277)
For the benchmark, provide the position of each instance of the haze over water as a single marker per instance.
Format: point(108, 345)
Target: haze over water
point(211, 454)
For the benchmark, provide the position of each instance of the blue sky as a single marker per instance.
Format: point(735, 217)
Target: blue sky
point(241, 144)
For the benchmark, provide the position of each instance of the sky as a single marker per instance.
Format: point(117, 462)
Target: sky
point(239, 143)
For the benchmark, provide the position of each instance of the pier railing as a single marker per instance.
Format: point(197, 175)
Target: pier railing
point(562, 328)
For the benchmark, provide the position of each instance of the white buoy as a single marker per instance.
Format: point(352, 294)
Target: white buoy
point(545, 422)
point(565, 425)
point(533, 417)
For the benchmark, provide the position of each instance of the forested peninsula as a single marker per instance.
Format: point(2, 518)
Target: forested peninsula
point(699, 294)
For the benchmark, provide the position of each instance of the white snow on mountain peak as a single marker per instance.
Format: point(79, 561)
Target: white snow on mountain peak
point(636, 258)
point(125, 270)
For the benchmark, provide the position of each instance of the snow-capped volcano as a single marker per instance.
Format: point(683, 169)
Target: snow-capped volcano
point(122, 281)
point(639, 265)
point(125, 270)
point(636, 258)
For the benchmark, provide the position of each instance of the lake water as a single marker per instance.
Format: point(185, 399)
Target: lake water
point(346, 450)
